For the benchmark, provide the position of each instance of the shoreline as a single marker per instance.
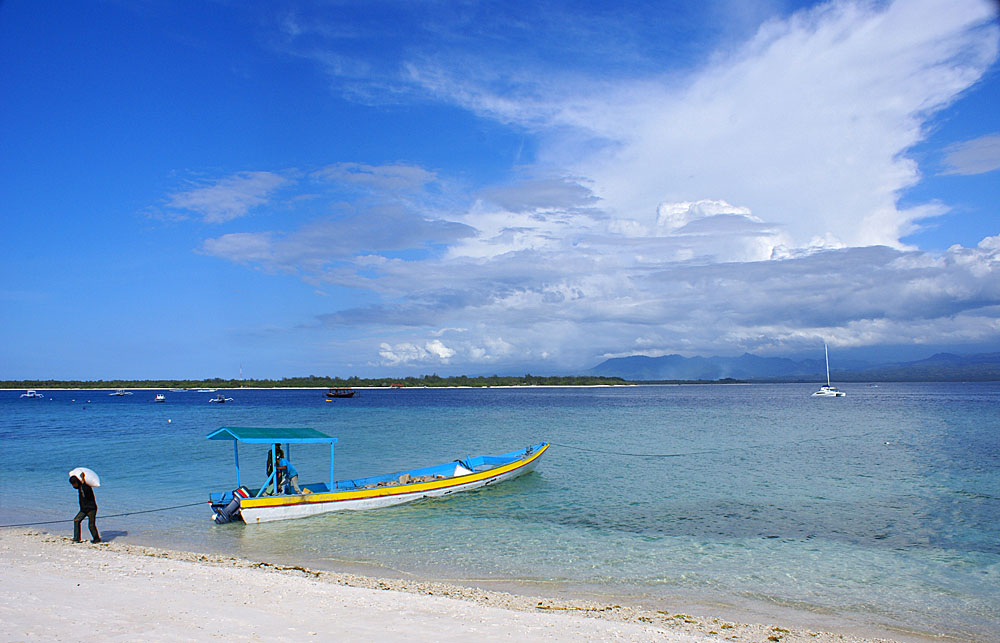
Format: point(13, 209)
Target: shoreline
point(377, 388)
point(34, 562)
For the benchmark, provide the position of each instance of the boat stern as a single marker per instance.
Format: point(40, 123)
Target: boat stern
point(226, 505)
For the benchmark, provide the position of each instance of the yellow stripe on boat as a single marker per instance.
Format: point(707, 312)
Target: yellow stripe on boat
point(394, 490)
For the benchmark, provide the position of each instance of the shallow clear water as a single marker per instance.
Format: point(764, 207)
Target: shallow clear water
point(880, 508)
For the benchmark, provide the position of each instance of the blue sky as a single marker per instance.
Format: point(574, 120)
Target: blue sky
point(399, 188)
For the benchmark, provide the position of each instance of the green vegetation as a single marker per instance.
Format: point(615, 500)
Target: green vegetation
point(315, 381)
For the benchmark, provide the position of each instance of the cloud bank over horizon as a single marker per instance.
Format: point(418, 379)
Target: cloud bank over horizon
point(749, 203)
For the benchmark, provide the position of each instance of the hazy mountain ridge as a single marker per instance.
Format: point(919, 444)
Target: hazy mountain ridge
point(939, 367)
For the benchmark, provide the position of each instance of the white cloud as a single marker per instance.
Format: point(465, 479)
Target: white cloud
point(578, 309)
point(228, 198)
point(431, 352)
point(437, 348)
point(361, 239)
point(807, 125)
point(977, 156)
point(398, 177)
point(562, 193)
point(242, 247)
point(671, 217)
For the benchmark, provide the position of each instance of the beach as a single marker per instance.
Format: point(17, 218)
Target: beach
point(55, 589)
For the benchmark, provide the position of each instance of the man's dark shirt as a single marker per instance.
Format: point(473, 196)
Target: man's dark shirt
point(87, 500)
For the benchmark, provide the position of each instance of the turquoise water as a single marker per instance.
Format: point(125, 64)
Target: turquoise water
point(877, 510)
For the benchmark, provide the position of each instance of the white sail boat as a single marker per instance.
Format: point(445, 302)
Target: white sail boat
point(827, 390)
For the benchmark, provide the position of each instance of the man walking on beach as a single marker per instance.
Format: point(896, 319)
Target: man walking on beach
point(88, 508)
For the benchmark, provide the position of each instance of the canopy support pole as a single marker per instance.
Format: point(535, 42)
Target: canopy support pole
point(236, 453)
point(331, 466)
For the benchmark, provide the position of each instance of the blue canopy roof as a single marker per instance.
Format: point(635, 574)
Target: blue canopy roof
point(262, 435)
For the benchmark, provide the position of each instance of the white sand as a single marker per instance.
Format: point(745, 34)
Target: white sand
point(55, 590)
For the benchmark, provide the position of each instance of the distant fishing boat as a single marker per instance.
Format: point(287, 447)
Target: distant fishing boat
point(160, 397)
point(120, 393)
point(206, 390)
point(32, 395)
point(340, 392)
point(827, 390)
point(221, 399)
point(253, 506)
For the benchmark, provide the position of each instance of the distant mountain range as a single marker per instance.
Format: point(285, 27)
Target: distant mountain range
point(937, 368)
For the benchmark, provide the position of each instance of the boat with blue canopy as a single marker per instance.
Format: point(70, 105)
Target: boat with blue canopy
point(271, 501)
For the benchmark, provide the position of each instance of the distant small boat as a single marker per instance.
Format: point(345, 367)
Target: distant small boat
point(160, 397)
point(221, 399)
point(340, 392)
point(827, 390)
point(120, 393)
point(33, 394)
point(206, 390)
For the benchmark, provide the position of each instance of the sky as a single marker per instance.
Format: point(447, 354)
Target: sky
point(393, 188)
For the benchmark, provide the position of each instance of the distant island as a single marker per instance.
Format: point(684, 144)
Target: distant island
point(313, 381)
point(942, 367)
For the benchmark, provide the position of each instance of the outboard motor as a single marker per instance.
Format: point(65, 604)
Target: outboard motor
point(228, 512)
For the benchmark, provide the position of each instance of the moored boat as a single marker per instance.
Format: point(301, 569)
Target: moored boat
point(120, 393)
point(340, 392)
point(254, 505)
point(221, 399)
point(160, 397)
point(827, 390)
point(32, 394)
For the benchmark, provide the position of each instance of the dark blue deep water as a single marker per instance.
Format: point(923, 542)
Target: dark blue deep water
point(881, 509)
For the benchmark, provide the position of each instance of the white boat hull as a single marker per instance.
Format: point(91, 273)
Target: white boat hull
point(271, 508)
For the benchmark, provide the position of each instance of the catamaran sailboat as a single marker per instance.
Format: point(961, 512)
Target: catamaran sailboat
point(827, 390)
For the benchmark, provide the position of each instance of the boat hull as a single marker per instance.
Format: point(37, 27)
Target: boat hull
point(272, 508)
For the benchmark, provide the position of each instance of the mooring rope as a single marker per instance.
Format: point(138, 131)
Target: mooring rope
point(127, 513)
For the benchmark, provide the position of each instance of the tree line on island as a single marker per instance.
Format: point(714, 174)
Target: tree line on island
point(315, 381)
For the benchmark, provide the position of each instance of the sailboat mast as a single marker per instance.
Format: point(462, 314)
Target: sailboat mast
point(827, 351)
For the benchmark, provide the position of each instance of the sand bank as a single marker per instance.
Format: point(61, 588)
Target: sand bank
point(54, 589)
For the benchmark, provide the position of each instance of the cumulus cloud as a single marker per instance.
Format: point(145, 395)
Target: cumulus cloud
point(433, 351)
point(228, 198)
point(485, 350)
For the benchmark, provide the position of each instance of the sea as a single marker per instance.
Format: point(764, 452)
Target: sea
point(877, 513)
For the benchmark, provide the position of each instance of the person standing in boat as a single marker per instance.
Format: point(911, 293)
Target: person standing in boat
point(275, 485)
point(291, 475)
point(88, 508)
